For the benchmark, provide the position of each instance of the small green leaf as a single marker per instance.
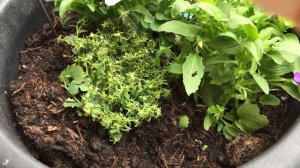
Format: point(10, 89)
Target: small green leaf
point(183, 122)
point(175, 68)
point(92, 7)
point(72, 103)
point(249, 117)
point(208, 121)
point(269, 100)
point(220, 127)
point(262, 82)
point(193, 71)
point(233, 131)
point(178, 27)
point(227, 134)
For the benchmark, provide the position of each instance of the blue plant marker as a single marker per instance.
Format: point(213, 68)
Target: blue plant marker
point(187, 15)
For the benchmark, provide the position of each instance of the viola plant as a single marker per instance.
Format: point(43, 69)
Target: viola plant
point(231, 56)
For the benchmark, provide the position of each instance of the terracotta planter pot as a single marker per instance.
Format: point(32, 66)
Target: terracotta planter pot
point(18, 19)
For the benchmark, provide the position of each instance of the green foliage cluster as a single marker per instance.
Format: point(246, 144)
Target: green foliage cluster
point(230, 54)
point(114, 81)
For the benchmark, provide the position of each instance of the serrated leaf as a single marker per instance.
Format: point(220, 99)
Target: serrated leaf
point(175, 68)
point(270, 100)
point(193, 71)
point(249, 117)
point(180, 28)
point(262, 82)
point(74, 73)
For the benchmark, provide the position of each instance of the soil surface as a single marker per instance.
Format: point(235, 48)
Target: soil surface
point(59, 138)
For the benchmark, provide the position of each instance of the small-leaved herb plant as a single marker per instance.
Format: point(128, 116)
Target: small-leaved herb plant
point(113, 79)
point(230, 55)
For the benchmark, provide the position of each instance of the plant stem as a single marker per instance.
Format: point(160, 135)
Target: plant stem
point(48, 17)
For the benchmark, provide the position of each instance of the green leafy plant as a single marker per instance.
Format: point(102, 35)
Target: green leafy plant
point(239, 54)
point(113, 80)
point(230, 54)
point(183, 122)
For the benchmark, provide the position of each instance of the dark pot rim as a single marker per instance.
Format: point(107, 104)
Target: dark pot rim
point(17, 21)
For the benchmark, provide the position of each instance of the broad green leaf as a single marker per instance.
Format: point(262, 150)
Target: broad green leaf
point(291, 37)
point(212, 10)
point(226, 42)
point(267, 33)
point(221, 73)
point(289, 50)
point(270, 100)
point(296, 65)
point(180, 6)
point(193, 71)
point(262, 82)
point(249, 117)
point(175, 68)
point(208, 121)
point(161, 16)
point(238, 21)
point(178, 27)
point(65, 6)
point(291, 89)
point(142, 10)
point(255, 50)
point(276, 57)
point(210, 93)
point(270, 68)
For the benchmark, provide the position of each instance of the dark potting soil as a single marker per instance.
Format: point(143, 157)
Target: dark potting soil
point(59, 138)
